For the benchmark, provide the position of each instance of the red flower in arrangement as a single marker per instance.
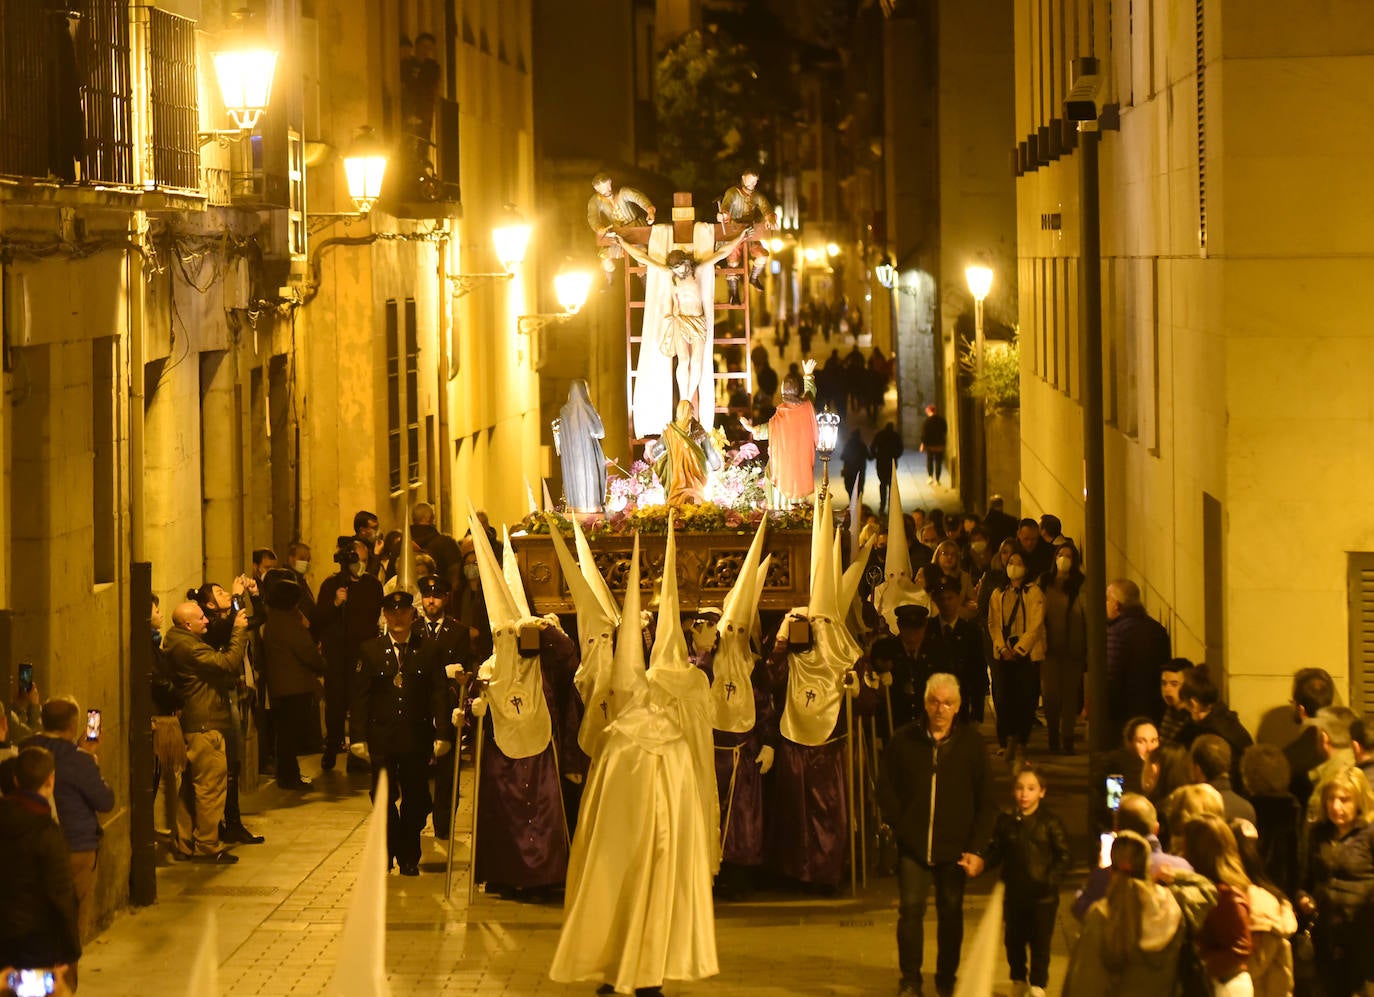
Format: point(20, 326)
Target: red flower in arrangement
point(733, 519)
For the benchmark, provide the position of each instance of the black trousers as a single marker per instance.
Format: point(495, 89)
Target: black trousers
point(852, 476)
point(914, 882)
point(445, 800)
point(1030, 925)
point(1019, 679)
point(338, 687)
point(884, 487)
point(290, 722)
point(935, 462)
point(233, 761)
point(407, 778)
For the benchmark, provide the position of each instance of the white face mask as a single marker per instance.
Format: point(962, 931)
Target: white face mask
point(356, 569)
point(979, 546)
point(471, 572)
point(302, 567)
point(1016, 572)
point(1063, 565)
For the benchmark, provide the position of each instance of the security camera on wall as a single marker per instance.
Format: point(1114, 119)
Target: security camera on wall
point(1084, 102)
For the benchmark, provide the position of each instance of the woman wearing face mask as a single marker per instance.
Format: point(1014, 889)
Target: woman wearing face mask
point(1066, 647)
point(994, 577)
point(980, 553)
point(947, 562)
point(1016, 623)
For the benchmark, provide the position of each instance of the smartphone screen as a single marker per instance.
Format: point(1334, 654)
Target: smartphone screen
point(92, 725)
point(25, 676)
point(31, 982)
point(1115, 787)
point(1104, 849)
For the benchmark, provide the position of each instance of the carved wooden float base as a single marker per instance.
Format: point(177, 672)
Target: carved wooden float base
point(707, 565)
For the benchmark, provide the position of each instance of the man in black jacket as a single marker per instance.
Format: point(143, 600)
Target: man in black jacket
point(38, 923)
point(936, 793)
point(453, 640)
point(954, 645)
point(399, 720)
point(1313, 690)
point(346, 614)
point(1137, 651)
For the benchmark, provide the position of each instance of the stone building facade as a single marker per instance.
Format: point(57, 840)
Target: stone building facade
point(1237, 253)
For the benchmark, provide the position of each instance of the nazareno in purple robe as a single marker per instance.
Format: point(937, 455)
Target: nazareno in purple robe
point(741, 812)
point(522, 837)
point(808, 813)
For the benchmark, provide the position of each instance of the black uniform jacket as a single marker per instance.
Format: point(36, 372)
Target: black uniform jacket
point(399, 706)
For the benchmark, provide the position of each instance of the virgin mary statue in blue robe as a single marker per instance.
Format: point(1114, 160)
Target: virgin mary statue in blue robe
point(583, 462)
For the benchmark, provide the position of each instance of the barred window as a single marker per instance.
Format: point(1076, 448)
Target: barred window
point(172, 96)
point(101, 37)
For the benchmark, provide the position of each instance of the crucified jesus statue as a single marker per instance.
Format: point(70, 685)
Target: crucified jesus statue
point(684, 333)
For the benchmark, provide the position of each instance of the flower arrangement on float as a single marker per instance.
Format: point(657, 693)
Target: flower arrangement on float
point(635, 501)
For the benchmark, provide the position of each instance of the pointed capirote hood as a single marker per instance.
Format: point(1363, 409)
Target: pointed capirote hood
point(627, 667)
point(501, 606)
point(898, 562)
point(820, 533)
point(738, 603)
point(530, 499)
point(592, 617)
point(760, 579)
point(855, 514)
point(589, 571)
point(670, 645)
point(510, 570)
point(853, 576)
point(548, 499)
point(824, 598)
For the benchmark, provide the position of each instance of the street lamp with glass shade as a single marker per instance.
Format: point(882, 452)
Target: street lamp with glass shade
point(571, 287)
point(511, 240)
point(365, 169)
point(244, 69)
point(827, 438)
point(832, 249)
point(775, 244)
point(886, 274)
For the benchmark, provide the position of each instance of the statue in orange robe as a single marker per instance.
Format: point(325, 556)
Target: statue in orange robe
point(791, 436)
point(684, 454)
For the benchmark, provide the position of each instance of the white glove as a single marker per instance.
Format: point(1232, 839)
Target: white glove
point(358, 749)
point(885, 678)
point(765, 759)
point(485, 672)
point(453, 670)
point(574, 777)
point(851, 684)
point(456, 717)
point(441, 748)
point(479, 707)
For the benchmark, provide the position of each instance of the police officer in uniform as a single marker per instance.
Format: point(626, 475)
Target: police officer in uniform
point(400, 720)
point(900, 663)
point(454, 644)
point(955, 645)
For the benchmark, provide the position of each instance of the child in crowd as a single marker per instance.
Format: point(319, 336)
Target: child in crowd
point(1033, 849)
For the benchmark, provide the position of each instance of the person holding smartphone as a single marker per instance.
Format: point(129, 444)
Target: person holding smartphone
point(80, 793)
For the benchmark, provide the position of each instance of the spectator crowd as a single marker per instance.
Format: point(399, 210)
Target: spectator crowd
point(1225, 866)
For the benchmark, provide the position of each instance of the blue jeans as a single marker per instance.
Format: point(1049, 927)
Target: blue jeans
point(914, 880)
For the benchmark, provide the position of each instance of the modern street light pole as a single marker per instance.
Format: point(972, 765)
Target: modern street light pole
point(979, 284)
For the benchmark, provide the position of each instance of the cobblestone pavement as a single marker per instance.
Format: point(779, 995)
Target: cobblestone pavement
point(280, 908)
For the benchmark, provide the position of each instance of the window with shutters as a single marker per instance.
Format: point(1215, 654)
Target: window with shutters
point(412, 348)
point(1360, 588)
point(393, 395)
